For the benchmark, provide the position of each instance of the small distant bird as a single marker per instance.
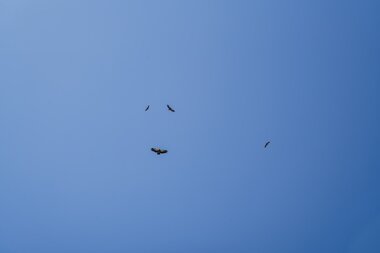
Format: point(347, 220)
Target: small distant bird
point(159, 151)
point(170, 109)
point(266, 144)
point(147, 108)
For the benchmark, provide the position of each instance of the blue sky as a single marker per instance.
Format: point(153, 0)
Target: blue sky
point(76, 170)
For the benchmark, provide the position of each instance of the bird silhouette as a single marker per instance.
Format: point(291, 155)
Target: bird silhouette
point(159, 151)
point(266, 144)
point(170, 109)
point(147, 108)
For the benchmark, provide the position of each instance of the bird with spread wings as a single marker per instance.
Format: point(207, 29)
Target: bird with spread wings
point(159, 151)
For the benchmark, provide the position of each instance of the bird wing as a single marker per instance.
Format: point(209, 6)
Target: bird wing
point(155, 150)
point(147, 108)
point(266, 144)
point(170, 109)
point(163, 151)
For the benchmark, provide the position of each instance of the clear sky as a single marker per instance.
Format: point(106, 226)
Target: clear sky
point(76, 171)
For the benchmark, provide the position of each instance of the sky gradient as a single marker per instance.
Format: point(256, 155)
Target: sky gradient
point(76, 171)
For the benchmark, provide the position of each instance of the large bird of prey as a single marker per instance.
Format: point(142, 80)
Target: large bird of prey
point(147, 108)
point(159, 151)
point(266, 144)
point(170, 109)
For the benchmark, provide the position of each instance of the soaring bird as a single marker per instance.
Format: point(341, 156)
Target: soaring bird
point(147, 108)
point(266, 144)
point(159, 151)
point(170, 109)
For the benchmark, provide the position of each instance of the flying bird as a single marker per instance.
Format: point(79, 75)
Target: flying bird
point(147, 108)
point(266, 144)
point(170, 109)
point(159, 151)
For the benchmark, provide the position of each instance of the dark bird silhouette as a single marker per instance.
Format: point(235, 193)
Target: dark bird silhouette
point(147, 108)
point(266, 144)
point(159, 151)
point(170, 109)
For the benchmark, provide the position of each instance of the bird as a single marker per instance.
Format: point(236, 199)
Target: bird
point(147, 108)
point(170, 109)
point(266, 144)
point(159, 151)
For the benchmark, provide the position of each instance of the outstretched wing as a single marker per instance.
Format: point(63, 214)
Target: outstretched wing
point(147, 108)
point(155, 150)
point(163, 151)
point(170, 109)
